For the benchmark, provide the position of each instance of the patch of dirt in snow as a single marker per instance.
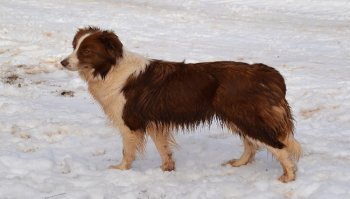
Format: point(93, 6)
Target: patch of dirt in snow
point(67, 93)
point(13, 79)
point(310, 112)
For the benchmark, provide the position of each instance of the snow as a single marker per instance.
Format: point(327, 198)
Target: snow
point(60, 146)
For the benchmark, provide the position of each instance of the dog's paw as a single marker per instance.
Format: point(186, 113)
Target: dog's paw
point(168, 166)
point(233, 163)
point(287, 178)
point(238, 162)
point(119, 167)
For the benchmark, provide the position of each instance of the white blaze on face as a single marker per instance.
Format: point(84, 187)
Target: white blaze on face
point(73, 60)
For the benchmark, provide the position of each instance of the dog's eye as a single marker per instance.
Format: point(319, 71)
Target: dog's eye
point(86, 52)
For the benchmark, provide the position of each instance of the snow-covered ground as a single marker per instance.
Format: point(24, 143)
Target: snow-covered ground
point(60, 146)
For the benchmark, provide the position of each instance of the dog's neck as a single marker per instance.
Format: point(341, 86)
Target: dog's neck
point(130, 64)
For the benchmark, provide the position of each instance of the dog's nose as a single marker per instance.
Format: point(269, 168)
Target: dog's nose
point(65, 62)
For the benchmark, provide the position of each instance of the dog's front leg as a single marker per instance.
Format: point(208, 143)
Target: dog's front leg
point(163, 141)
point(133, 141)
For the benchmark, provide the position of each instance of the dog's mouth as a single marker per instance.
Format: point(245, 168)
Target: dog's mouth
point(65, 63)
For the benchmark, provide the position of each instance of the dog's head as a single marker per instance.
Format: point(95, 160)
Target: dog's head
point(95, 49)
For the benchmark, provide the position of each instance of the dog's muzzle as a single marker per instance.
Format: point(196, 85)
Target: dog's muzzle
point(65, 62)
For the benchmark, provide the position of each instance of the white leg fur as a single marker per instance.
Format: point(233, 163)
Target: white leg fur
point(163, 141)
point(289, 167)
point(247, 156)
point(132, 142)
point(287, 157)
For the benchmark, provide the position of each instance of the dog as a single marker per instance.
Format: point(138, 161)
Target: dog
point(153, 97)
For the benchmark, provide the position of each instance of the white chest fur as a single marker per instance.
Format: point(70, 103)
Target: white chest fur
point(108, 91)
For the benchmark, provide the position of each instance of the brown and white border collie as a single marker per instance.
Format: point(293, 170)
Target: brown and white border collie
point(148, 96)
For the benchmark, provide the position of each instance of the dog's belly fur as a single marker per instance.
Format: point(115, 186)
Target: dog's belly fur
point(250, 97)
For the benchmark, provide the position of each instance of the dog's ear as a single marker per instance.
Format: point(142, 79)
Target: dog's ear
point(113, 46)
point(114, 51)
point(83, 31)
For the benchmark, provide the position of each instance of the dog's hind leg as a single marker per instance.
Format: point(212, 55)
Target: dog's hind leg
point(288, 158)
point(163, 141)
point(248, 154)
point(287, 164)
point(133, 141)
